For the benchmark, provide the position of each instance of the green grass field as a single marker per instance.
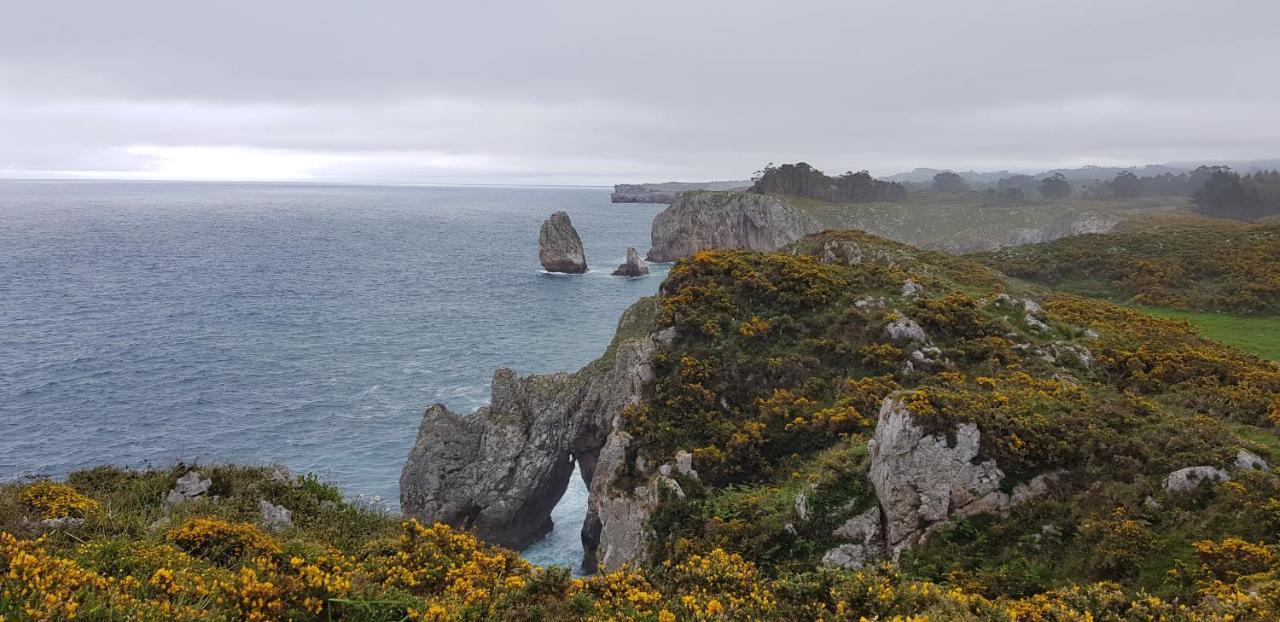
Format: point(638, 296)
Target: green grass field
point(1260, 335)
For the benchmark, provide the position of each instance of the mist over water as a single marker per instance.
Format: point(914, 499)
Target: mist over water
point(143, 323)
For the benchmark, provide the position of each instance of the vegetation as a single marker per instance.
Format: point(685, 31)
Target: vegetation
point(1227, 194)
point(1208, 266)
point(1055, 186)
point(802, 180)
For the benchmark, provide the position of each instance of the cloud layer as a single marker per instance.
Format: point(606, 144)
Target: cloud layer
point(597, 92)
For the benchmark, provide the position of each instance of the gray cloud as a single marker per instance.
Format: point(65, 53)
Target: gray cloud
point(593, 92)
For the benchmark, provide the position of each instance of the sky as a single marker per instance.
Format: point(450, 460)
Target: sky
point(599, 92)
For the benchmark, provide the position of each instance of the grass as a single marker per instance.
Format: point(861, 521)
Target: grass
point(1259, 335)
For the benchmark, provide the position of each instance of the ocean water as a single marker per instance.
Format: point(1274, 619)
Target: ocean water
point(308, 325)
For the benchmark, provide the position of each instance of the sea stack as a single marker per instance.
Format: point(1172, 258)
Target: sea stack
point(634, 266)
point(559, 247)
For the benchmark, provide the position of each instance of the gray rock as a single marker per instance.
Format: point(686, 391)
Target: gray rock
point(1089, 333)
point(667, 192)
point(684, 464)
point(192, 485)
point(851, 556)
point(911, 289)
point(1190, 478)
point(62, 522)
point(274, 517)
point(702, 220)
point(1036, 325)
point(866, 528)
point(1246, 459)
point(922, 480)
point(802, 506)
point(1031, 306)
point(634, 266)
point(905, 329)
point(559, 247)
point(280, 473)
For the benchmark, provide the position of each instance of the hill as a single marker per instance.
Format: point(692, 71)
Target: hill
point(1184, 264)
point(849, 429)
point(972, 222)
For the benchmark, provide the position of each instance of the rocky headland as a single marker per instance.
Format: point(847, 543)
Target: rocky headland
point(726, 220)
point(668, 191)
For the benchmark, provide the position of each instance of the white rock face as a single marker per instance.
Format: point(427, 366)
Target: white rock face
point(1190, 478)
point(699, 220)
point(921, 480)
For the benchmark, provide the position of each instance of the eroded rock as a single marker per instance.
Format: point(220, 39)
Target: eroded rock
point(274, 517)
point(633, 266)
point(1191, 478)
point(559, 247)
point(905, 330)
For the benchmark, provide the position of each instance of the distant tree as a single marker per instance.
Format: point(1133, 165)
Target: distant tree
point(1126, 185)
point(1011, 194)
point(802, 180)
point(948, 181)
point(1227, 194)
point(1024, 183)
point(1055, 186)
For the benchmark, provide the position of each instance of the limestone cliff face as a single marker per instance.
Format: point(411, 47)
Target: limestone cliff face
point(726, 220)
point(668, 191)
point(502, 469)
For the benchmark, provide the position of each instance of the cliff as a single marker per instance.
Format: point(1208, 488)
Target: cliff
point(726, 220)
point(668, 191)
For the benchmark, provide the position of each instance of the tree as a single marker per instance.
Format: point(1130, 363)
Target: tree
point(1126, 185)
point(948, 181)
point(802, 180)
point(1055, 186)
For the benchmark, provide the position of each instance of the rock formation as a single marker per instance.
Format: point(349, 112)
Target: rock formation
point(667, 192)
point(502, 469)
point(559, 247)
point(634, 266)
point(726, 220)
point(921, 481)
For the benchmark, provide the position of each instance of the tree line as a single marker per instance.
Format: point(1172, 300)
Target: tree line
point(802, 180)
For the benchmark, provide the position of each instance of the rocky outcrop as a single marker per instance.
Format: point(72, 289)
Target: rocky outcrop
point(559, 247)
point(501, 470)
point(726, 220)
point(667, 192)
point(633, 266)
point(1191, 478)
point(922, 481)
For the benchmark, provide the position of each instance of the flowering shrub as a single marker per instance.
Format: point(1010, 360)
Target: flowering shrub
point(54, 500)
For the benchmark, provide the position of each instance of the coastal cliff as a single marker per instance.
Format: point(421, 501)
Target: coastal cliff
point(502, 469)
point(668, 191)
point(726, 220)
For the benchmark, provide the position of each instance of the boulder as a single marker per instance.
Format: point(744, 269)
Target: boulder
point(559, 247)
point(191, 485)
point(274, 517)
point(911, 289)
point(702, 220)
point(1246, 459)
point(905, 329)
point(634, 266)
point(1190, 478)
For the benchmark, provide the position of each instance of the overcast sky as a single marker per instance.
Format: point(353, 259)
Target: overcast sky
point(600, 91)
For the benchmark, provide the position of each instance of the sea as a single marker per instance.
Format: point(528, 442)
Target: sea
point(144, 323)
